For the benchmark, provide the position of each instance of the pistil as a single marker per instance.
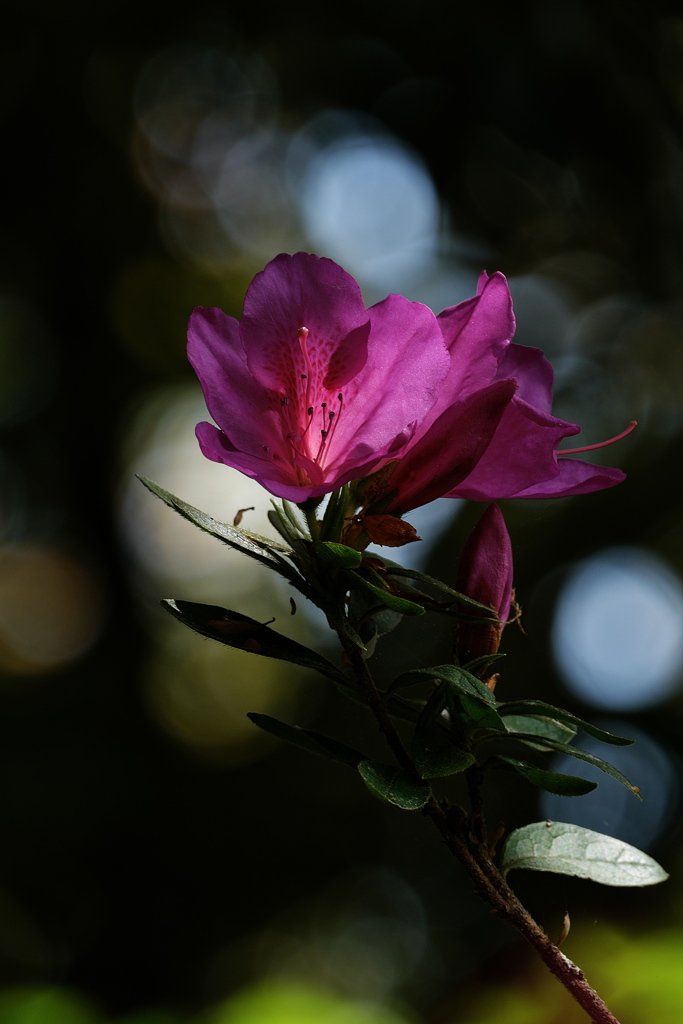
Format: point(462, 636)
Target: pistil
point(601, 444)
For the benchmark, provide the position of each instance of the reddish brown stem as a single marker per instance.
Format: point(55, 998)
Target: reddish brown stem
point(493, 888)
point(468, 843)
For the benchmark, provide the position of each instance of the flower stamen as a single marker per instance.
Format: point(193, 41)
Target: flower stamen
point(601, 444)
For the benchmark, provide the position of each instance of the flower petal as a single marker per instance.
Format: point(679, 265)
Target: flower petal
point(521, 454)
point(303, 291)
point(477, 333)
point(574, 477)
point(533, 373)
point(450, 449)
point(236, 401)
point(276, 476)
point(399, 383)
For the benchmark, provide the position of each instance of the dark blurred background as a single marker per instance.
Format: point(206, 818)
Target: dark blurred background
point(160, 861)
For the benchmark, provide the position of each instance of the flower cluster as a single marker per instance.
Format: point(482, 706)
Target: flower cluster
point(311, 390)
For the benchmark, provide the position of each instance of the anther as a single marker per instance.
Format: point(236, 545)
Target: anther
point(303, 376)
point(285, 401)
point(323, 433)
point(310, 410)
point(602, 444)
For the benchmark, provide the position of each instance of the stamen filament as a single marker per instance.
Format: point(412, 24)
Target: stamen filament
point(602, 444)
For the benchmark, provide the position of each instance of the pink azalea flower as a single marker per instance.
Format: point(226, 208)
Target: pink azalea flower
point(485, 574)
point(311, 390)
point(520, 459)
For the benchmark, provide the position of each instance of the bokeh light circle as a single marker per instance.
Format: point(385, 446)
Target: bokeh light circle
point(50, 609)
point(611, 808)
point(618, 629)
point(371, 204)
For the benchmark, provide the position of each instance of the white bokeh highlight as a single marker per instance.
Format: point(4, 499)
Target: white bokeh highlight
point(370, 204)
point(618, 629)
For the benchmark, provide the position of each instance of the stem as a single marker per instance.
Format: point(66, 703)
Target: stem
point(375, 703)
point(468, 843)
point(495, 891)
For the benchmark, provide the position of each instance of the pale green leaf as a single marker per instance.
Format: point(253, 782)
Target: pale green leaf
point(571, 850)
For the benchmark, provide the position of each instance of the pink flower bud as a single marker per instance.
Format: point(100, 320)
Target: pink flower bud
point(485, 574)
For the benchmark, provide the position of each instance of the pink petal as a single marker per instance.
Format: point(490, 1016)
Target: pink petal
point(521, 454)
point(399, 383)
point(533, 374)
point(303, 291)
point(236, 401)
point(277, 477)
point(574, 477)
point(450, 449)
point(476, 333)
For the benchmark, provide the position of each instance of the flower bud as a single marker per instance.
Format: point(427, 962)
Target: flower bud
point(485, 574)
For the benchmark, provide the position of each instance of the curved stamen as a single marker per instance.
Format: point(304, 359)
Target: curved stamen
point(602, 444)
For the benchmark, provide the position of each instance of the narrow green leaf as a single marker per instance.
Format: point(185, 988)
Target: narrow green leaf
point(290, 513)
point(370, 616)
point(435, 755)
point(245, 634)
point(394, 786)
point(455, 595)
point(571, 850)
point(309, 740)
point(539, 707)
point(537, 725)
point(476, 713)
point(280, 522)
point(335, 513)
point(397, 604)
point(260, 548)
point(456, 677)
point(582, 755)
point(483, 660)
point(336, 556)
point(553, 782)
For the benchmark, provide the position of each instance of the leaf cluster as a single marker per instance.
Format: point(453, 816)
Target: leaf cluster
point(457, 727)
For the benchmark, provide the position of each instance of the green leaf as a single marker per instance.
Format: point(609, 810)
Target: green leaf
point(435, 755)
point(394, 786)
point(539, 707)
point(335, 513)
point(290, 512)
point(483, 660)
point(260, 548)
point(537, 725)
point(280, 522)
point(309, 740)
point(336, 556)
point(572, 850)
point(370, 616)
point(397, 604)
point(245, 634)
point(582, 755)
point(553, 782)
point(421, 577)
point(456, 678)
point(476, 713)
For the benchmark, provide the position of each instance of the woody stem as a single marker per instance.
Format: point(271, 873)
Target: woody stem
point(466, 839)
point(494, 890)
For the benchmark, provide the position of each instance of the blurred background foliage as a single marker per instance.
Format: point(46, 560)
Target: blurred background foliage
point(161, 861)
